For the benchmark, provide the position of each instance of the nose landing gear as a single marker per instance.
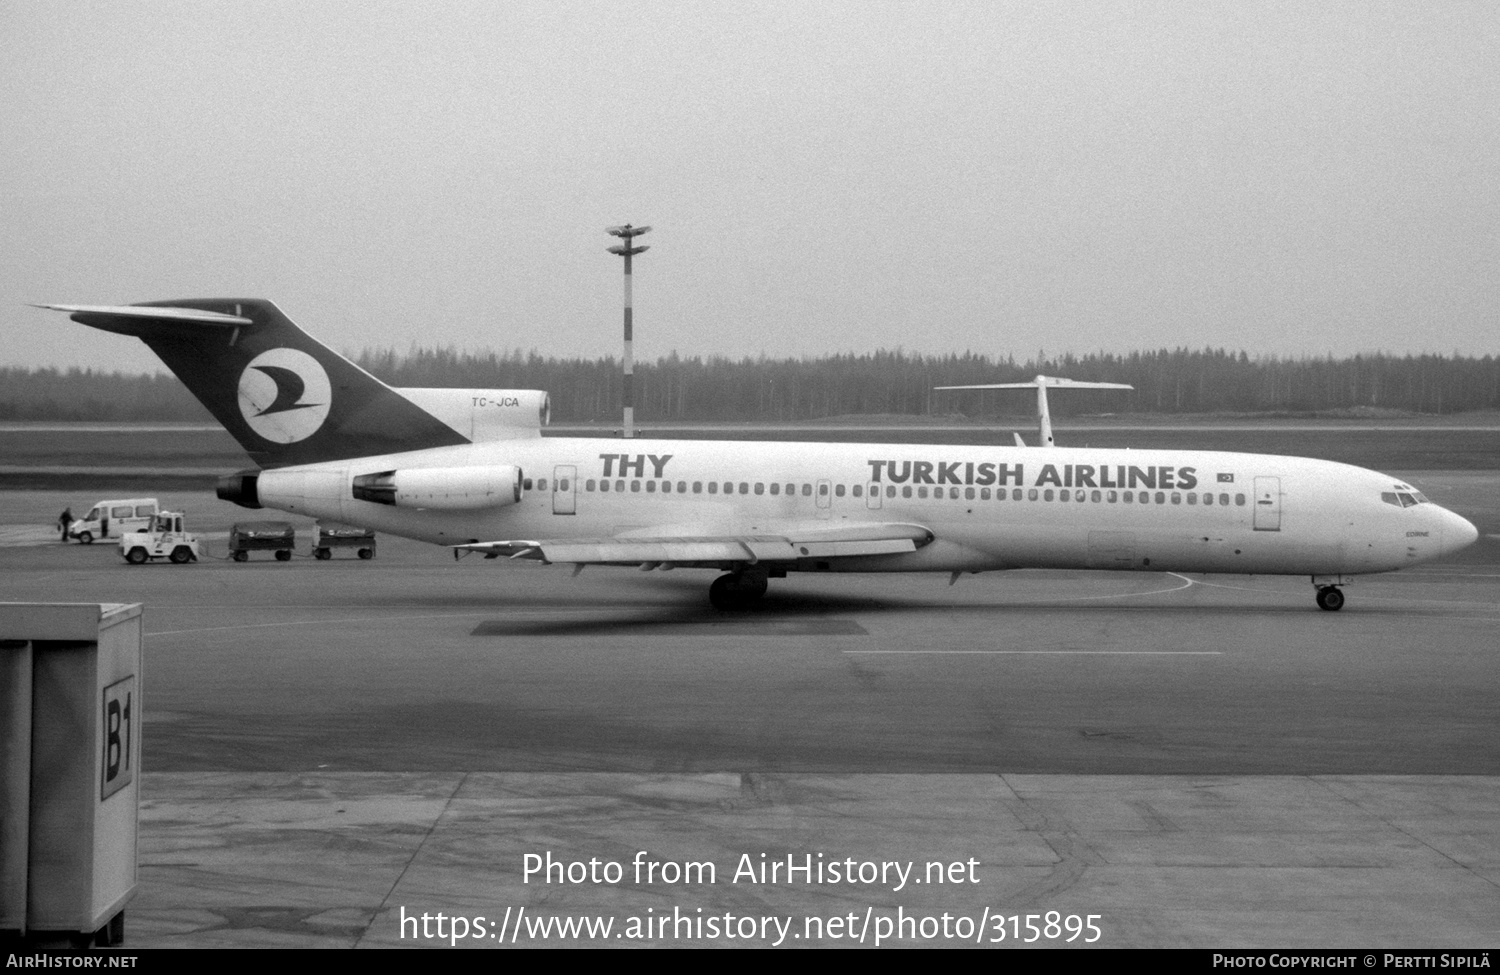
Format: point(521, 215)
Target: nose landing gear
point(1330, 598)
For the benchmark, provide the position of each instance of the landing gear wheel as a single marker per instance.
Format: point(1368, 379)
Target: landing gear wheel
point(1331, 598)
point(282, 555)
point(181, 555)
point(241, 556)
point(85, 538)
point(367, 553)
point(736, 590)
point(137, 556)
point(322, 554)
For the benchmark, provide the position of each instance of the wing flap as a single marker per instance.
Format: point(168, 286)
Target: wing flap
point(815, 543)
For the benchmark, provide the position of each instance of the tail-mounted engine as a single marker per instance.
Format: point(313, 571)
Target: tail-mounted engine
point(444, 488)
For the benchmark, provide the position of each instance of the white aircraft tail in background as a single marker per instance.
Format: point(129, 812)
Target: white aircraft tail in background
point(1042, 384)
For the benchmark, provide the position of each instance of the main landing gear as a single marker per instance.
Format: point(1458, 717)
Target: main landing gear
point(1330, 598)
point(737, 589)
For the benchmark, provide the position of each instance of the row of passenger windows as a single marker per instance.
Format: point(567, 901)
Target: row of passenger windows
point(1206, 498)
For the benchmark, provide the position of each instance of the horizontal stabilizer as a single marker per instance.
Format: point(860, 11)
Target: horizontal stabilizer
point(136, 319)
point(1047, 381)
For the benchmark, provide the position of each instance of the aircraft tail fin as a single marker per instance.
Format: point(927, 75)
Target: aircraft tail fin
point(287, 398)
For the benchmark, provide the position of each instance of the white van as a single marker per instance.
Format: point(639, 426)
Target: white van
point(111, 519)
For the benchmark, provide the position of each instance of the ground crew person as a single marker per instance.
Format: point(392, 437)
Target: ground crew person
point(65, 519)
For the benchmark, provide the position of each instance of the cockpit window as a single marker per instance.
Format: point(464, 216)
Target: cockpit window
point(1402, 499)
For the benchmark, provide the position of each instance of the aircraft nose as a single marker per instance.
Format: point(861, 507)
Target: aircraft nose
point(1458, 532)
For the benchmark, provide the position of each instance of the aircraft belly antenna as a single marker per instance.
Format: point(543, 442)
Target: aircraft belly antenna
point(1042, 383)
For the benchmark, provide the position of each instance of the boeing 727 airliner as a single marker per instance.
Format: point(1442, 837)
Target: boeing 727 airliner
point(469, 469)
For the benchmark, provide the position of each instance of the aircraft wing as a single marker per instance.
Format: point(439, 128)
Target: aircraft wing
point(787, 543)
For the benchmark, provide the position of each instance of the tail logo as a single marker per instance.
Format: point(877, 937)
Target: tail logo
point(285, 395)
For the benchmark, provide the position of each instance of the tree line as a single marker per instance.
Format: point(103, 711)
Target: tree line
point(765, 389)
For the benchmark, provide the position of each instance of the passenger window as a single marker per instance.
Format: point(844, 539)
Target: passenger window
point(666, 487)
point(859, 490)
point(650, 487)
point(541, 484)
point(906, 491)
point(1208, 499)
point(1078, 495)
point(1161, 497)
point(526, 483)
point(697, 487)
point(760, 488)
point(562, 485)
point(1192, 498)
point(1239, 500)
point(775, 488)
point(604, 487)
point(838, 490)
point(728, 487)
point(1062, 495)
point(744, 487)
point(807, 490)
point(890, 491)
point(953, 493)
point(144, 511)
point(921, 492)
point(589, 485)
point(124, 511)
point(713, 487)
point(1224, 500)
point(1110, 496)
point(1127, 497)
point(1047, 495)
point(1176, 498)
point(968, 493)
point(984, 494)
point(791, 489)
point(1144, 497)
point(1032, 494)
point(635, 487)
point(682, 487)
point(1095, 496)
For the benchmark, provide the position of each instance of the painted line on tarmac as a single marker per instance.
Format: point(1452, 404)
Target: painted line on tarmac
point(1186, 584)
point(1062, 653)
point(357, 619)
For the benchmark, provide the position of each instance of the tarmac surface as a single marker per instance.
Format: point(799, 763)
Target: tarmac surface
point(331, 747)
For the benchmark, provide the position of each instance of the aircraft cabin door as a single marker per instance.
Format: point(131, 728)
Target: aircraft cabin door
point(824, 491)
point(1268, 504)
point(872, 495)
point(564, 490)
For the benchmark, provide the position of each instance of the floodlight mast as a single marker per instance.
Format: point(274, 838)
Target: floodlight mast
point(626, 251)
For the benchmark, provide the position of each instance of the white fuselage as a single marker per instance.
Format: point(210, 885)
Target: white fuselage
point(988, 507)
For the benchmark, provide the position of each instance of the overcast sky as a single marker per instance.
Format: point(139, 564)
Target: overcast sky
point(821, 177)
